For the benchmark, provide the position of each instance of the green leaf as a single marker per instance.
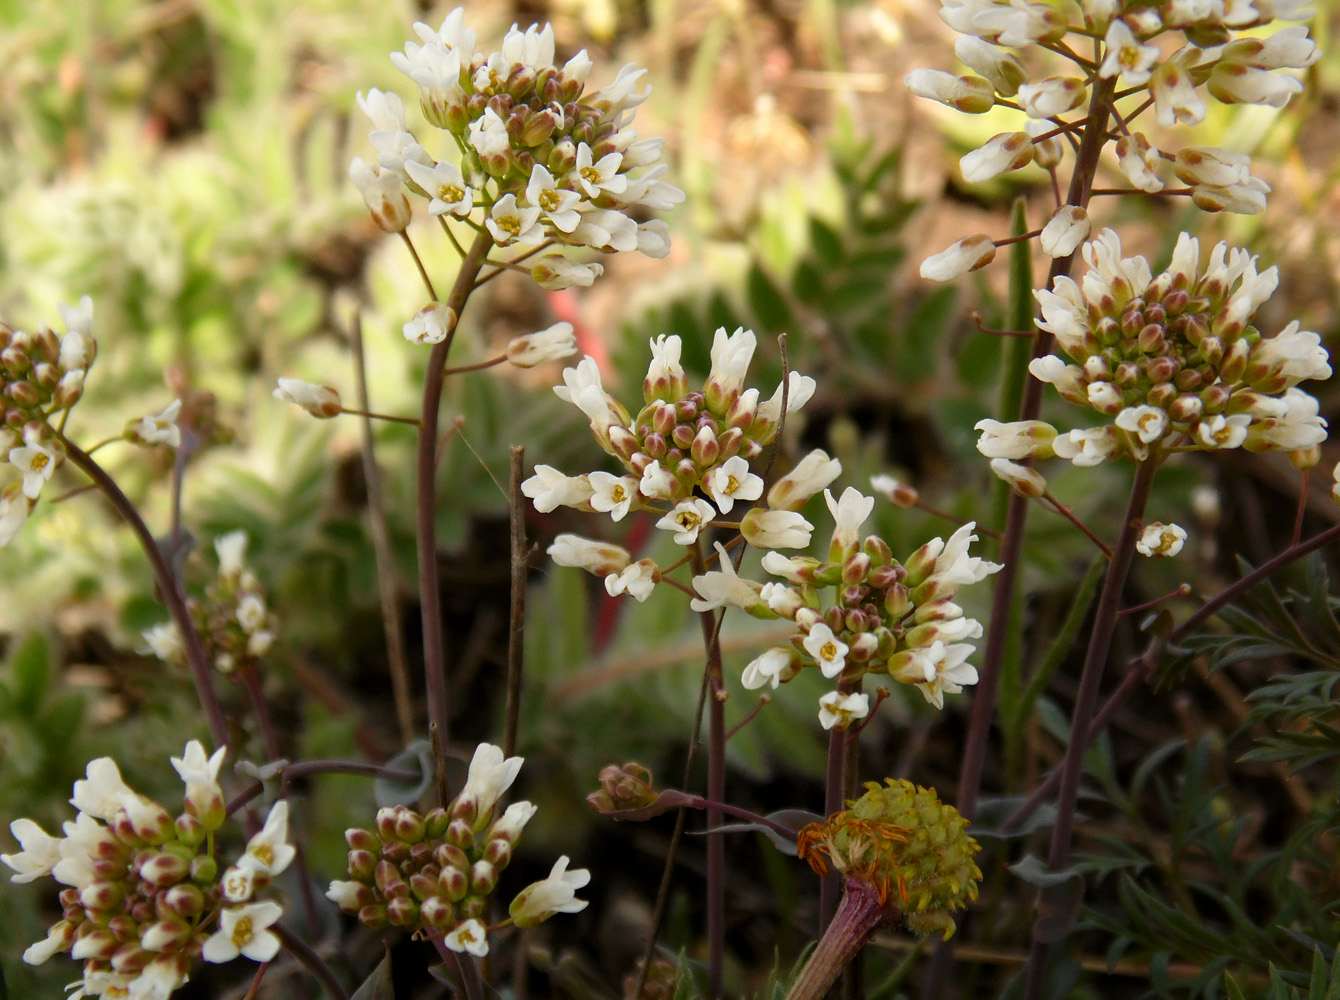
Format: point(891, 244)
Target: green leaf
point(827, 243)
point(377, 986)
point(30, 667)
point(765, 300)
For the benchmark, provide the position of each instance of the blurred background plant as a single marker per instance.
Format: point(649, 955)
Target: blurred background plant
point(185, 164)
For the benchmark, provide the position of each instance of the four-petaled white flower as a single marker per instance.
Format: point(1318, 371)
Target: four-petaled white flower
point(244, 930)
point(1160, 539)
point(99, 794)
point(238, 883)
point(556, 204)
point(470, 936)
point(937, 670)
point(40, 853)
point(446, 187)
point(829, 652)
point(600, 558)
point(731, 481)
point(687, 519)
point(510, 222)
point(775, 529)
point(723, 588)
point(637, 580)
point(490, 775)
point(849, 513)
point(549, 489)
point(815, 472)
point(37, 463)
point(611, 494)
point(269, 851)
point(767, 668)
point(1148, 423)
point(556, 894)
point(836, 709)
point(431, 324)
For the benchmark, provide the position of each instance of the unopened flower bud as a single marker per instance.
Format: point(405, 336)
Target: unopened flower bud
point(185, 900)
point(1021, 479)
point(1068, 228)
point(551, 344)
point(383, 193)
point(454, 882)
point(95, 943)
point(165, 935)
point(164, 869)
point(483, 877)
point(320, 401)
point(968, 254)
point(1000, 154)
point(373, 916)
point(204, 870)
point(437, 912)
point(969, 94)
point(402, 911)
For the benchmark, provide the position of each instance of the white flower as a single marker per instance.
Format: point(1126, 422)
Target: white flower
point(1049, 98)
point(613, 495)
point(243, 930)
point(348, 896)
point(488, 136)
point(195, 769)
point(598, 176)
point(40, 853)
point(733, 481)
point(431, 324)
point(85, 839)
point(554, 343)
point(1016, 439)
point(813, 473)
point(1295, 354)
point(968, 254)
point(605, 229)
point(775, 529)
point(1139, 161)
point(384, 194)
point(767, 669)
point(1020, 478)
point(1149, 423)
point(556, 894)
point(384, 108)
point(1068, 379)
point(58, 939)
point(799, 390)
point(1161, 539)
point(828, 651)
point(446, 187)
point(490, 775)
point(1000, 154)
point(99, 794)
point(269, 851)
point(78, 319)
point(318, 400)
point(637, 580)
point(797, 569)
point(849, 513)
point(723, 588)
point(687, 519)
point(1232, 83)
point(554, 271)
point(14, 511)
point(840, 711)
point(657, 483)
point(238, 883)
point(556, 204)
point(1174, 93)
point(1127, 57)
point(731, 354)
point(1065, 231)
point(582, 387)
point(1297, 428)
point(510, 222)
point(1086, 446)
point(159, 428)
point(1002, 68)
point(469, 936)
point(549, 489)
point(231, 548)
point(37, 463)
point(251, 612)
point(937, 670)
point(953, 565)
point(599, 558)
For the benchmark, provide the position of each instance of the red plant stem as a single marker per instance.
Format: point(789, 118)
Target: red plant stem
point(836, 780)
point(434, 657)
point(858, 916)
point(984, 698)
point(1144, 665)
point(310, 960)
point(201, 672)
point(1086, 699)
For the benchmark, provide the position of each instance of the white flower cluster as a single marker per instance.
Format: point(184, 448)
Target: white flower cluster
point(41, 375)
point(681, 448)
point(1173, 360)
point(1148, 55)
point(543, 163)
point(433, 874)
point(234, 623)
point(144, 888)
point(887, 617)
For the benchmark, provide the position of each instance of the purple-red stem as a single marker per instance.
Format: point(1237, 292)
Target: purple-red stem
point(1086, 699)
point(858, 916)
point(166, 579)
point(434, 655)
point(716, 792)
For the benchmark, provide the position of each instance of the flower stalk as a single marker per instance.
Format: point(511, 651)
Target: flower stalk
point(858, 915)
